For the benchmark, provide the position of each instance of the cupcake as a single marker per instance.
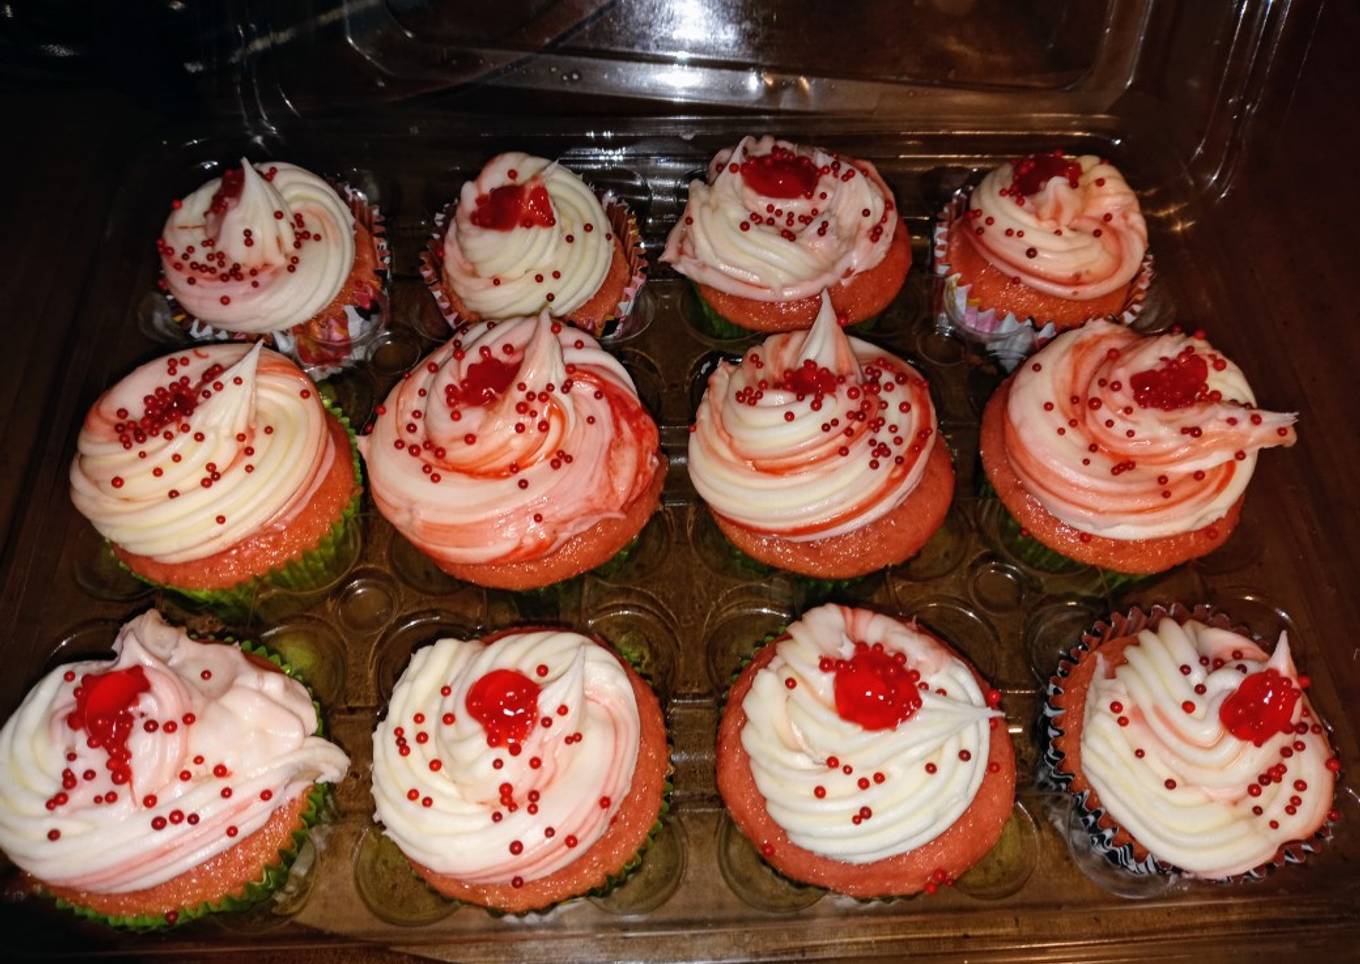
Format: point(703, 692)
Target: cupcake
point(271, 251)
point(517, 455)
point(1042, 244)
point(521, 770)
point(820, 454)
point(218, 472)
point(529, 236)
point(777, 223)
point(1125, 451)
point(173, 780)
point(1188, 748)
point(862, 754)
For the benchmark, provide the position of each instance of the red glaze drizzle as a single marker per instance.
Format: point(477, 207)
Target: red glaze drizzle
point(505, 702)
point(1030, 174)
point(1262, 706)
point(514, 205)
point(1179, 383)
point(104, 710)
point(780, 174)
point(876, 690)
point(485, 381)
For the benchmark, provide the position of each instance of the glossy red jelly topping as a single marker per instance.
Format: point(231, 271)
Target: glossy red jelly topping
point(233, 182)
point(1030, 174)
point(1178, 383)
point(485, 381)
point(780, 174)
point(514, 205)
point(876, 690)
point(104, 711)
point(505, 702)
point(1262, 706)
point(810, 379)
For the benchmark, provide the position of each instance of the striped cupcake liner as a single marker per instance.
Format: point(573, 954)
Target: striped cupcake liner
point(272, 877)
point(621, 223)
point(1007, 336)
point(321, 348)
point(1100, 828)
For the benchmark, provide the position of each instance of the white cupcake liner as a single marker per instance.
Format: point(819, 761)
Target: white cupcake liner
point(621, 223)
point(1009, 337)
point(319, 358)
point(1093, 818)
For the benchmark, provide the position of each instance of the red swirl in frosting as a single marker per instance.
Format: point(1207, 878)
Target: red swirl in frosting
point(509, 440)
point(1067, 226)
point(777, 221)
point(815, 434)
point(1135, 437)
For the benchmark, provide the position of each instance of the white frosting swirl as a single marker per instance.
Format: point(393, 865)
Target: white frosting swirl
point(1097, 459)
point(741, 242)
point(561, 444)
point(526, 269)
point(208, 710)
point(1076, 242)
point(773, 453)
point(256, 433)
point(931, 764)
point(1203, 822)
point(566, 782)
point(269, 256)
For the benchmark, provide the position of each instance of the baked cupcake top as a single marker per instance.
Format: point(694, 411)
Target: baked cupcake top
point(118, 775)
point(777, 221)
point(196, 451)
point(509, 440)
point(260, 249)
point(527, 235)
point(1206, 749)
point(1066, 226)
point(505, 760)
point(867, 738)
point(1130, 436)
point(813, 435)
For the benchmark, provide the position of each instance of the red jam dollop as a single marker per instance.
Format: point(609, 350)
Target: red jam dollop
point(1179, 383)
point(1261, 707)
point(485, 381)
point(104, 711)
point(505, 702)
point(514, 205)
point(810, 379)
point(233, 182)
point(780, 174)
point(1030, 174)
point(876, 690)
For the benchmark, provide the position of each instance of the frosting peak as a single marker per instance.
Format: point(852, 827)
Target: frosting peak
point(212, 743)
point(1135, 437)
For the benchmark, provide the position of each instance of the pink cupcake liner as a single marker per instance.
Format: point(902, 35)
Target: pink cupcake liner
point(1009, 337)
point(621, 223)
point(319, 357)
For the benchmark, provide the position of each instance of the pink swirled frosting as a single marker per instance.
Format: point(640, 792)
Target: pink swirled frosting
point(815, 434)
point(1135, 437)
point(261, 249)
point(777, 221)
point(509, 440)
point(1067, 226)
point(216, 744)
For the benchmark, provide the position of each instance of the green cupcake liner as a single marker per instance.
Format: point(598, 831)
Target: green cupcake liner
point(272, 877)
point(314, 570)
point(1034, 553)
point(814, 589)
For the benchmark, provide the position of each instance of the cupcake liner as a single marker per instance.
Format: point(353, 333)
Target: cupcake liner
point(272, 876)
point(1094, 819)
point(621, 223)
point(1007, 336)
point(321, 347)
point(314, 570)
point(1035, 554)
